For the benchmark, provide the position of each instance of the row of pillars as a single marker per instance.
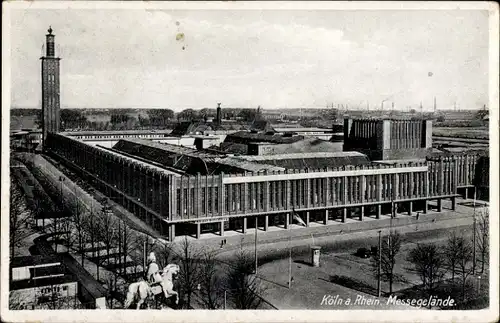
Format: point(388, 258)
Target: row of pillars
point(307, 217)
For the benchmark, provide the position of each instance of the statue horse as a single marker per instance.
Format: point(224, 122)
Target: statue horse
point(141, 290)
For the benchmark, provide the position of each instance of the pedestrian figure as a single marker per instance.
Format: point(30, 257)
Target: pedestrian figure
point(418, 215)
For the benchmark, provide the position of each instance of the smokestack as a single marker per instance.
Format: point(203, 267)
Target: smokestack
point(219, 114)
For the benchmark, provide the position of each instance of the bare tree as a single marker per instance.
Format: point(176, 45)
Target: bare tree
point(428, 264)
point(107, 227)
point(451, 255)
point(66, 226)
point(18, 220)
point(390, 250)
point(79, 221)
point(210, 282)
point(125, 246)
point(464, 262)
point(163, 253)
point(241, 285)
point(189, 275)
point(483, 237)
point(92, 228)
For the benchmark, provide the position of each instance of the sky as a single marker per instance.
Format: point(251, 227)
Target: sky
point(181, 59)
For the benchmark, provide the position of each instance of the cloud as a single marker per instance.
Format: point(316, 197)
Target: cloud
point(134, 58)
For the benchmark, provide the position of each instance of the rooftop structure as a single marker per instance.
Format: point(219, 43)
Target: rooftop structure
point(383, 139)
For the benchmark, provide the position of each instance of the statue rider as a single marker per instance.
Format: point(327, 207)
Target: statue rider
point(153, 275)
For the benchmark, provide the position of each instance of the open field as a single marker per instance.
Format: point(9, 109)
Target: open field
point(20, 122)
point(462, 132)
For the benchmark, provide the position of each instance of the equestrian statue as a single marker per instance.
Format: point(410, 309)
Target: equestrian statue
point(156, 282)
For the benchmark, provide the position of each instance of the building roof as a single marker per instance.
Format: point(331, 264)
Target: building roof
point(167, 148)
point(247, 165)
point(303, 129)
point(115, 132)
point(43, 282)
point(248, 137)
point(188, 160)
point(125, 155)
point(262, 126)
point(308, 145)
point(25, 261)
point(233, 148)
point(310, 160)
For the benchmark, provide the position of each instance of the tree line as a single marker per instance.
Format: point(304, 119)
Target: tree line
point(433, 263)
point(129, 119)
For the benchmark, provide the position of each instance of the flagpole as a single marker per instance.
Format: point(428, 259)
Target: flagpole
point(256, 229)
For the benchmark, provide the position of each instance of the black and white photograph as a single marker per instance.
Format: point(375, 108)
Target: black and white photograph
point(249, 161)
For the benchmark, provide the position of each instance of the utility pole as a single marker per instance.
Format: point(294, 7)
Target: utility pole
point(145, 263)
point(474, 237)
point(435, 105)
point(256, 229)
point(289, 256)
point(379, 282)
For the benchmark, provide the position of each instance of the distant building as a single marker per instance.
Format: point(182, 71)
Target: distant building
point(387, 139)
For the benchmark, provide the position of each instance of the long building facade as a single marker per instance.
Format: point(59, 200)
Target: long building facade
point(175, 204)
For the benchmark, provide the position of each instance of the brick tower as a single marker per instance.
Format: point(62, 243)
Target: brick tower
point(50, 88)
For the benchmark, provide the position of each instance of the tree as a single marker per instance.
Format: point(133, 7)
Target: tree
point(163, 253)
point(210, 291)
point(160, 117)
point(241, 285)
point(107, 223)
point(483, 237)
point(38, 118)
point(79, 220)
point(189, 275)
point(72, 118)
point(119, 116)
point(125, 242)
point(464, 262)
point(187, 114)
point(18, 219)
point(92, 228)
point(247, 114)
point(451, 254)
point(390, 250)
point(428, 264)
point(66, 226)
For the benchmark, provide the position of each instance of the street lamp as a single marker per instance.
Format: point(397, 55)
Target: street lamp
point(379, 283)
